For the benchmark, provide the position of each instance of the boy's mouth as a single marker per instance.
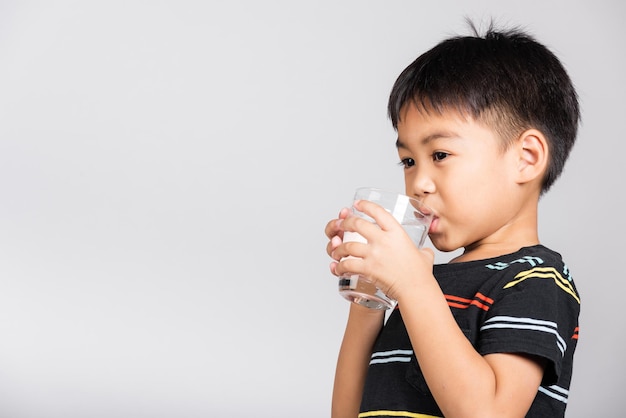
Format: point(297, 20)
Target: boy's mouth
point(433, 225)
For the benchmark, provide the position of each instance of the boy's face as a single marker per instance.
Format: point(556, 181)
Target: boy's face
point(458, 168)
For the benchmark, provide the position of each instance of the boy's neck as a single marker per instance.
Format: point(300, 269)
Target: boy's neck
point(521, 232)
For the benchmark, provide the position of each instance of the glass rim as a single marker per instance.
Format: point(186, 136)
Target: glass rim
point(388, 192)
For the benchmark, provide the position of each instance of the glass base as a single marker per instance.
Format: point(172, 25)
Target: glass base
point(361, 291)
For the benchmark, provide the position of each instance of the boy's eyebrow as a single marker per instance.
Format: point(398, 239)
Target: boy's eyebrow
point(428, 138)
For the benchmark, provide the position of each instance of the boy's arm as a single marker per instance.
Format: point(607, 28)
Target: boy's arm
point(362, 328)
point(464, 383)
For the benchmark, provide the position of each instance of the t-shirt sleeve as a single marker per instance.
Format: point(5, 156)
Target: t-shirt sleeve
point(535, 312)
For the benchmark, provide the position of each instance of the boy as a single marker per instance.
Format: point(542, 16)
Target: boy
point(484, 127)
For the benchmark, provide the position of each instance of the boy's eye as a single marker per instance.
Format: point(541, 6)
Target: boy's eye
point(439, 155)
point(407, 162)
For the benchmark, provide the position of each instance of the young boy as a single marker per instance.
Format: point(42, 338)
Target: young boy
point(484, 127)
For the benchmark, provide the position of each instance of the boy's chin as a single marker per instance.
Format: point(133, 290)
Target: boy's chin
point(443, 246)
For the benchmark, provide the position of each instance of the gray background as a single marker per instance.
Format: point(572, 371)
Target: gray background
point(167, 168)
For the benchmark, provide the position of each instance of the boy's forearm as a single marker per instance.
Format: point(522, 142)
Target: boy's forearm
point(450, 364)
point(356, 348)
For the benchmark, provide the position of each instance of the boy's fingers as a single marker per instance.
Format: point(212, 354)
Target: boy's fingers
point(332, 267)
point(349, 249)
point(383, 219)
point(333, 228)
point(332, 244)
point(344, 213)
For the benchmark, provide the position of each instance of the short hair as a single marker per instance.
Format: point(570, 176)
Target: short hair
point(504, 79)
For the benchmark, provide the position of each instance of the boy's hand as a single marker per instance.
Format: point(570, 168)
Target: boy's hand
point(334, 232)
point(389, 259)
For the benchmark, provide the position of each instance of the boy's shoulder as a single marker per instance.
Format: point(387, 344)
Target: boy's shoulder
point(533, 256)
point(535, 269)
point(537, 256)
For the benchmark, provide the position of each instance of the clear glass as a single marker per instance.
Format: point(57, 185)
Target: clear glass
point(414, 217)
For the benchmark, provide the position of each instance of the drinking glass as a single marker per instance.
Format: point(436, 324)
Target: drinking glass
point(414, 217)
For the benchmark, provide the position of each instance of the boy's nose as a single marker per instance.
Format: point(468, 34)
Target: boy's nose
point(422, 185)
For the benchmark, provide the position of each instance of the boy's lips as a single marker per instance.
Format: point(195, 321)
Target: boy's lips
point(433, 225)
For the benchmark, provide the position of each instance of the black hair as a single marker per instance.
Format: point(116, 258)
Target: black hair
point(505, 79)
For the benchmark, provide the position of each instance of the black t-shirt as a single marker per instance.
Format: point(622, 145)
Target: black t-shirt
point(525, 302)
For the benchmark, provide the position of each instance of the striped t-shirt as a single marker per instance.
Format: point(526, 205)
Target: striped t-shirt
point(524, 302)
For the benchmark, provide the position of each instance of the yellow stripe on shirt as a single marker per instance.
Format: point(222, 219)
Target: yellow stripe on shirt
point(395, 414)
point(545, 273)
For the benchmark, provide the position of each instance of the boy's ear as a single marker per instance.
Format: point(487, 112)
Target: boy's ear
point(533, 152)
